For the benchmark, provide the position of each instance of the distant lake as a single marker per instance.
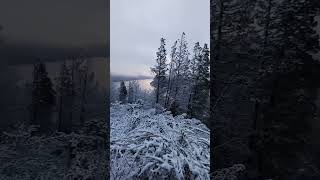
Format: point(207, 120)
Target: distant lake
point(143, 83)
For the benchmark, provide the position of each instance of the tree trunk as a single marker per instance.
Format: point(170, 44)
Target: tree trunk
point(83, 98)
point(158, 91)
point(60, 113)
point(169, 87)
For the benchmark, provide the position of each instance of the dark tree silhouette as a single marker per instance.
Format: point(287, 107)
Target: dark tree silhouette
point(123, 93)
point(43, 98)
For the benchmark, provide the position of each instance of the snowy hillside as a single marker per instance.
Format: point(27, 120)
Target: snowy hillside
point(158, 146)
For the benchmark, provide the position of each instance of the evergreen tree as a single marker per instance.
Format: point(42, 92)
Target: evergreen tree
point(298, 26)
point(245, 37)
point(65, 93)
point(175, 108)
point(194, 67)
point(136, 90)
point(113, 91)
point(173, 56)
point(296, 40)
point(268, 21)
point(83, 90)
point(43, 98)
point(160, 70)
point(224, 22)
point(233, 40)
point(285, 38)
point(233, 26)
point(123, 93)
point(131, 92)
point(182, 73)
point(72, 87)
point(198, 105)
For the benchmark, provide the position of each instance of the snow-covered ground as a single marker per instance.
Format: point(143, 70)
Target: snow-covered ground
point(158, 146)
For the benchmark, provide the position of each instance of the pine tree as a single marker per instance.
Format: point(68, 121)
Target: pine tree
point(83, 78)
point(123, 93)
point(136, 90)
point(203, 78)
point(289, 39)
point(194, 67)
point(285, 38)
point(233, 39)
point(298, 24)
point(173, 56)
point(294, 41)
point(224, 22)
point(65, 100)
point(113, 91)
point(43, 97)
point(198, 105)
point(245, 28)
point(267, 20)
point(160, 71)
point(181, 73)
point(131, 92)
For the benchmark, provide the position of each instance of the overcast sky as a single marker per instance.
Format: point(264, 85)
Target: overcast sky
point(34, 28)
point(137, 26)
point(53, 30)
point(55, 22)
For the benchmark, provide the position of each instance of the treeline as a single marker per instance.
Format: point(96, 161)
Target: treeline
point(131, 94)
point(264, 86)
point(65, 133)
point(181, 82)
point(64, 105)
point(128, 92)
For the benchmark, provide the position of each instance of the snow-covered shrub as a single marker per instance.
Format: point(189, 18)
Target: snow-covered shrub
point(157, 146)
point(159, 109)
point(140, 102)
point(26, 156)
point(231, 173)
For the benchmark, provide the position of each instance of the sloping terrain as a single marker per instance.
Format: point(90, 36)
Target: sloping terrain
point(149, 145)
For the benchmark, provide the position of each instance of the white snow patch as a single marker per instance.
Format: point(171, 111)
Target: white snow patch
point(157, 146)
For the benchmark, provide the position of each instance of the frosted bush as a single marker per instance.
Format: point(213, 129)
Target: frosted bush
point(157, 146)
point(231, 173)
point(58, 156)
point(159, 109)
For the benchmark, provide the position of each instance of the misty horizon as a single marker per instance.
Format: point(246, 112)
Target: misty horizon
point(119, 77)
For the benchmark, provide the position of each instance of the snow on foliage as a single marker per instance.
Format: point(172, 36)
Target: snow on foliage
point(145, 144)
point(26, 156)
point(231, 173)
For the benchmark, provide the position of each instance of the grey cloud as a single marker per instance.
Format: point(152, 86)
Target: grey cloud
point(53, 29)
point(55, 22)
point(137, 26)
